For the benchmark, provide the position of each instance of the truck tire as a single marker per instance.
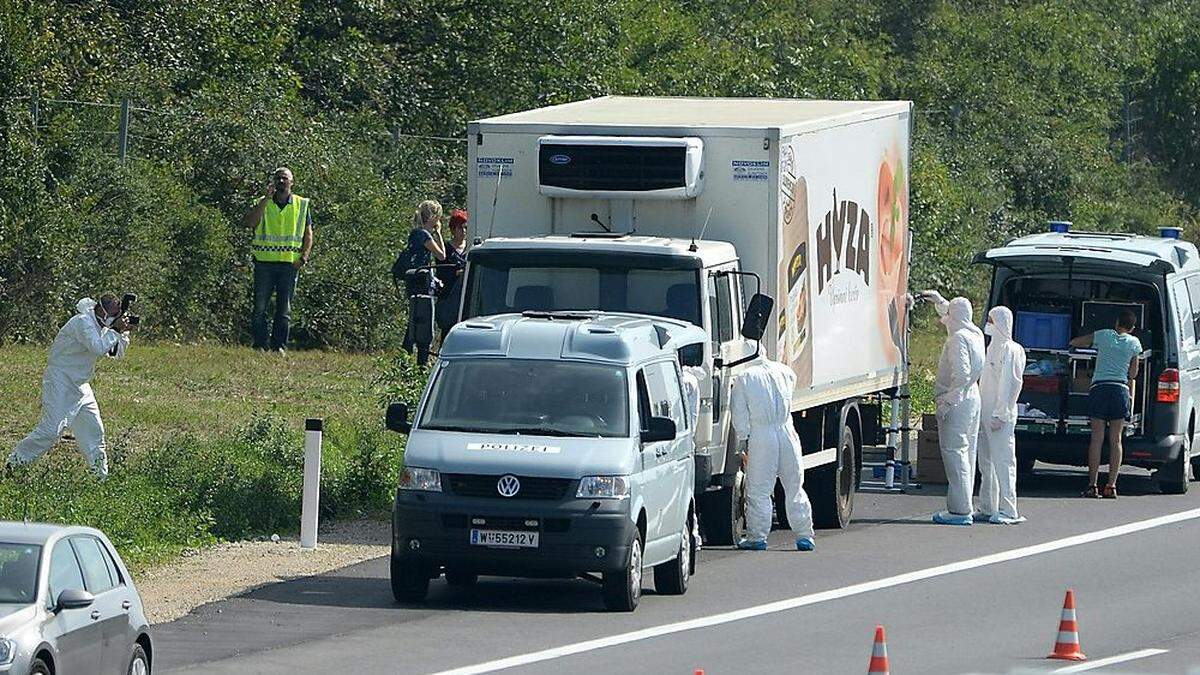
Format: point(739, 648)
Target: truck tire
point(410, 581)
point(622, 589)
point(671, 577)
point(831, 487)
point(1173, 478)
point(1025, 465)
point(721, 513)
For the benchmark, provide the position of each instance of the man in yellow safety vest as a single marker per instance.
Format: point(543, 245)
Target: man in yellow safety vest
point(283, 239)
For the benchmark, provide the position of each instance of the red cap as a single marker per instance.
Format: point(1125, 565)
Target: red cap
point(458, 217)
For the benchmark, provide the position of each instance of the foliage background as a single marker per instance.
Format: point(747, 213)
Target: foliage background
point(1021, 111)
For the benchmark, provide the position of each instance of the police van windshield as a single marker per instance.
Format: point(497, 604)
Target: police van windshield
point(528, 397)
point(503, 281)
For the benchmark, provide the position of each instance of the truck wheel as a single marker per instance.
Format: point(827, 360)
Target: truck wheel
point(831, 487)
point(410, 581)
point(721, 514)
point(1173, 478)
point(1025, 465)
point(671, 577)
point(623, 589)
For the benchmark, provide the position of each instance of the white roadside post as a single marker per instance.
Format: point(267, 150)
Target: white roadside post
point(313, 428)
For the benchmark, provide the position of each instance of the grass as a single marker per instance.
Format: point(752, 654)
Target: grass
point(206, 443)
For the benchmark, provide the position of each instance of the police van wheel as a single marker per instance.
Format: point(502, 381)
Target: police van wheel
point(623, 588)
point(831, 487)
point(1173, 478)
point(721, 514)
point(410, 581)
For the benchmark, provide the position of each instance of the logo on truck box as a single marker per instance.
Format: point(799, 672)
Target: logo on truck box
point(843, 242)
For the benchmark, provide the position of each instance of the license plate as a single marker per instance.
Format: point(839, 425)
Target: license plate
point(504, 538)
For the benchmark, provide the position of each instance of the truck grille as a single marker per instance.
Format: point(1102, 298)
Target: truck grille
point(476, 485)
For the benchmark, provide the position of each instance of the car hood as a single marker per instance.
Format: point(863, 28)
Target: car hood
point(13, 617)
point(546, 456)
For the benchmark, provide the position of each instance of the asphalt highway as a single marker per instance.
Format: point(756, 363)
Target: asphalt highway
point(984, 599)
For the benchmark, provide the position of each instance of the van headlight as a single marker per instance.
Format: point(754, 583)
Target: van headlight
point(415, 478)
point(603, 487)
point(8, 652)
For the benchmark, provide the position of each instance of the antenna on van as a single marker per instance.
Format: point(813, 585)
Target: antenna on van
point(596, 219)
point(693, 248)
point(495, 198)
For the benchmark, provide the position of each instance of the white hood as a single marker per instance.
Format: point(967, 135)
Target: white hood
point(85, 306)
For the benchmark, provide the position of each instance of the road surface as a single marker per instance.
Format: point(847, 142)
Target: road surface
point(984, 599)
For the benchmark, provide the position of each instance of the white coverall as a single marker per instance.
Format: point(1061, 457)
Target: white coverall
point(692, 376)
point(956, 392)
point(999, 387)
point(760, 406)
point(67, 398)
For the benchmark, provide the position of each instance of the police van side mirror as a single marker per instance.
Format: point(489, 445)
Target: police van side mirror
point(758, 313)
point(659, 429)
point(397, 418)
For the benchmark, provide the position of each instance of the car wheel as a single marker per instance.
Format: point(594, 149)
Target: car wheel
point(410, 581)
point(671, 577)
point(832, 486)
point(39, 667)
point(456, 577)
point(623, 589)
point(138, 663)
point(722, 513)
point(1173, 478)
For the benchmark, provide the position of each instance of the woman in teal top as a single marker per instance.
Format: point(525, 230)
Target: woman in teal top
point(1109, 400)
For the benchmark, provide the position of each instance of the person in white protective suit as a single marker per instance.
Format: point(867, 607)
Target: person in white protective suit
point(760, 407)
point(956, 392)
point(999, 387)
point(67, 399)
point(691, 378)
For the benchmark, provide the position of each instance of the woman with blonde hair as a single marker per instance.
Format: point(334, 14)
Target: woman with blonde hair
point(425, 248)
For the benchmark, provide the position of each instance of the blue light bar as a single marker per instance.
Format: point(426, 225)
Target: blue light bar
point(1170, 232)
point(1060, 226)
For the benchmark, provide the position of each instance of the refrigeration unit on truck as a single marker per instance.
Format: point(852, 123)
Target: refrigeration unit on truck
point(1062, 284)
point(687, 208)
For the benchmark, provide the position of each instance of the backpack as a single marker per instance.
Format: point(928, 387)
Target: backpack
point(406, 261)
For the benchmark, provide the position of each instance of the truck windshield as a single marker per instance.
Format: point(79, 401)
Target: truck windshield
point(530, 397)
point(502, 282)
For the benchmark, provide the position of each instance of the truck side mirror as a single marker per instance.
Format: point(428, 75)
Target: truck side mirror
point(74, 598)
point(397, 418)
point(659, 429)
point(758, 313)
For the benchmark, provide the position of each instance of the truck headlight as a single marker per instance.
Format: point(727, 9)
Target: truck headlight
point(414, 478)
point(603, 487)
point(8, 652)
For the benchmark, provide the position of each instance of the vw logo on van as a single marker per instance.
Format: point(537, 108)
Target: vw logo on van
point(508, 486)
point(560, 159)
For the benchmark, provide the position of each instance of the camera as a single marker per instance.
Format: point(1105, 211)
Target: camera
point(127, 301)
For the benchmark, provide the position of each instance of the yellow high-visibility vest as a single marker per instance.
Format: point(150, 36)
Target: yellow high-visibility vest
point(280, 234)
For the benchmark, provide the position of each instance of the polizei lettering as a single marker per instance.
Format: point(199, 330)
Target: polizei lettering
point(843, 242)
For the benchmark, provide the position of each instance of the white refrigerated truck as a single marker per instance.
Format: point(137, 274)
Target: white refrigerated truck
point(688, 207)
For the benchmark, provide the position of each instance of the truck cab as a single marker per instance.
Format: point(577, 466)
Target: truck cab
point(1062, 284)
point(550, 444)
point(698, 283)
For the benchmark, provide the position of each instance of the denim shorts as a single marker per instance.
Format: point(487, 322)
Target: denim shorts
point(1109, 401)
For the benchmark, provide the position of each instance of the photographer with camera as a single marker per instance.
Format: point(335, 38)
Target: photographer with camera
point(98, 329)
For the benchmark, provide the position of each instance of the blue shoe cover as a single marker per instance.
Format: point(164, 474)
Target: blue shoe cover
point(947, 518)
point(1001, 519)
point(805, 544)
point(981, 517)
point(751, 545)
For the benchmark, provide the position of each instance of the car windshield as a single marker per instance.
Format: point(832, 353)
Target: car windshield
point(18, 573)
point(529, 397)
point(502, 282)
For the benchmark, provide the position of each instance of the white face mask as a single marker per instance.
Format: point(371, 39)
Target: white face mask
point(990, 329)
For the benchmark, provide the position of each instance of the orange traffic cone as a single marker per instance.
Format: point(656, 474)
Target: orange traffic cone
point(879, 659)
point(1066, 647)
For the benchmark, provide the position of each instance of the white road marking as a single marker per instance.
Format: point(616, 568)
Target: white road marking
point(1119, 658)
point(824, 596)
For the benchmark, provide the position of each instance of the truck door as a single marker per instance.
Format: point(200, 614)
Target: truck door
point(723, 315)
point(1185, 296)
